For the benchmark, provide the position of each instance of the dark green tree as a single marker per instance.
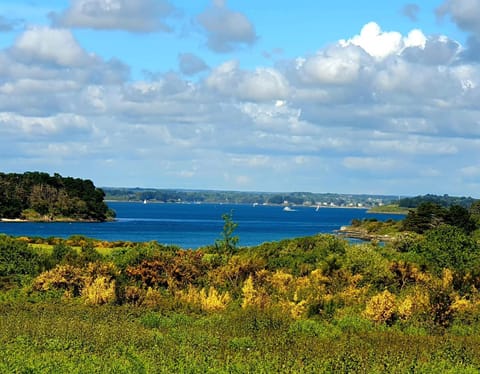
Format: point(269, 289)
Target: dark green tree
point(427, 216)
point(449, 247)
point(228, 242)
point(460, 217)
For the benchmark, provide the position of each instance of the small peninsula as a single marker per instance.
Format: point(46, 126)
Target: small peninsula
point(38, 196)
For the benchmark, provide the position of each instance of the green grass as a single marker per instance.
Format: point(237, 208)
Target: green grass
point(69, 337)
point(392, 209)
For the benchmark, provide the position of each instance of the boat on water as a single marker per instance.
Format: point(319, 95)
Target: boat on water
point(288, 209)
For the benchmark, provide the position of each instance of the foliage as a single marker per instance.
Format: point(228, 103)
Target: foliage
point(381, 308)
point(444, 201)
point(209, 301)
point(314, 304)
point(429, 215)
point(228, 242)
point(242, 197)
point(449, 247)
point(366, 260)
point(64, 277)
point(39, 196)
point(391, 208)
point(99, 290)
point(17, 257)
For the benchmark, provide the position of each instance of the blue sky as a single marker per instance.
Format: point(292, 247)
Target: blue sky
point(349, 97)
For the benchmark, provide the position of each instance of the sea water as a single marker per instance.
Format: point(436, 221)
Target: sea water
point(196, 225)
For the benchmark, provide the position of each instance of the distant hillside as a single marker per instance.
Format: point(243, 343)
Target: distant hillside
point(441, 200)
point(240, 197)
point(38, 196)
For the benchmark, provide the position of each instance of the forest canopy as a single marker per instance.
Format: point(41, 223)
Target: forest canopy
point(39, 196)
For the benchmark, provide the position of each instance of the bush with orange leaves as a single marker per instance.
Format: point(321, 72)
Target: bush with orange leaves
point(235, 272)
point(186, 267)
point(170, 271)
point(149, 273)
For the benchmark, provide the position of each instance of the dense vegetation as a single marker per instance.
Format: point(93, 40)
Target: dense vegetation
point(237, 197)
point(442, 200)
point(39, 196)
point(314, 304)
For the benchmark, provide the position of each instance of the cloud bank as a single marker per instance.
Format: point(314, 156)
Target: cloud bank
point(133, 16)
point(402, 110)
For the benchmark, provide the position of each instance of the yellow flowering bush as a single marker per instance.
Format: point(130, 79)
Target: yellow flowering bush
point(63, 277)
point(413, 304)
point(209, 301)
point(381, 307)
point(100, 290)
point(253, 297)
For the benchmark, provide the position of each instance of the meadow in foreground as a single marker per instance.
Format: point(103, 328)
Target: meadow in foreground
point(316, 304)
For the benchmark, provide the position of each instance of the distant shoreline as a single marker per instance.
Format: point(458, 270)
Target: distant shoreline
point(19, 220)
point(225, 203)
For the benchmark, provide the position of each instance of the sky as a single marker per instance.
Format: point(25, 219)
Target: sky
point(370, 97)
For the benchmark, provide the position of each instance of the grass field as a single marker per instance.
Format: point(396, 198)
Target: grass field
point(52, 337)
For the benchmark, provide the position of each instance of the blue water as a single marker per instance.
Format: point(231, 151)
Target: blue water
point(196, 225)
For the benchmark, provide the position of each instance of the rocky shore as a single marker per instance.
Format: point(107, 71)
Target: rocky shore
point(362, 234)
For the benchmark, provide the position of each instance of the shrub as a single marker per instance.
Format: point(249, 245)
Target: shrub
point(62, 277)
point(63, 253)
point(209, 301)
point(366, 260)
point(449, 247)
point(99, 291)
point(253, 298)
point(149, 273)
point(17, 257)
point(381, 308)
point(134, 295)
point(414, 305)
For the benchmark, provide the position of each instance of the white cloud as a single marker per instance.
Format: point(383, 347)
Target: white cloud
point(371, 164)
point(411, 11)
point(381, 44)
point(465, 13)
point(317, 122)
point(134, 16)
point(54, 126)
point(226, 29)
point(57, 46)
point(191, 64)
point(341, 66)
point(471, 171)
point(263, 84)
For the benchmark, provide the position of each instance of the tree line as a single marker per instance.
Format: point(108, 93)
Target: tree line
point(444, 201)
point(243, 197)
point(40, 196)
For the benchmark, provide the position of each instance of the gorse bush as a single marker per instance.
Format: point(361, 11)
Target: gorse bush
point(99, 290)
point(315, 304)
point(206, 300)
